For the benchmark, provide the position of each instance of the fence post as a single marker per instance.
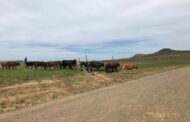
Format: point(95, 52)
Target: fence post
point(87, 62)
point(78, 64)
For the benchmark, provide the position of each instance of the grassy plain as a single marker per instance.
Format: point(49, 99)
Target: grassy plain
point(22, 88)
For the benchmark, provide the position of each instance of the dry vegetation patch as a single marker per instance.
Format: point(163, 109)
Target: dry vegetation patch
point(34, 92)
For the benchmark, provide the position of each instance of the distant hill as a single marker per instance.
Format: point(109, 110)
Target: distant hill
point(167, 51)
point(161, 55)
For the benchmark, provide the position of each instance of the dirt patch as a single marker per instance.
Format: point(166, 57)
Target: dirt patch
point(31, 83)
point(100, 77)
point(158, 116)
point(34, 92)
point(162, 116)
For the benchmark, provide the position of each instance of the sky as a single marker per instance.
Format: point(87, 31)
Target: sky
point(100, 29)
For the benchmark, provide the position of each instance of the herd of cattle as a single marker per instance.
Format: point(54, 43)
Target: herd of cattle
point(69, 64)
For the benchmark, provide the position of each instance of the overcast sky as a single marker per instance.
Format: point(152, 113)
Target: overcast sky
point(68, 29)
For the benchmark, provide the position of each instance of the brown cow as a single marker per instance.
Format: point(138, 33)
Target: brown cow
point(131, 67)
point(0, 65)
point(54, 64)
point(10, 65)
point(111, 67)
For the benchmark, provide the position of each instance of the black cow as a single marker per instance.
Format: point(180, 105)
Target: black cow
point(68, 64)
point(84, 64)
point(92, 65)
point(111, 67)
point(35, 64)
point(30, 64)
point(96, 65)
point(41, 65)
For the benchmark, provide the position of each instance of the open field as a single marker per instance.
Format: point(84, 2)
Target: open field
point(23, 88)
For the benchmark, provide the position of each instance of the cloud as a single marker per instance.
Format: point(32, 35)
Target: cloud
point(100, 28)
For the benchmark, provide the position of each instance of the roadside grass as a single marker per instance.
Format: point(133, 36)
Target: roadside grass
point(160, 63)
point(21, 75)
point(10, 77)
point(164, 63)
point(156, 66)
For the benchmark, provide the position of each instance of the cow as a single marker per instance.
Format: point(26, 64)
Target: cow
point(111, 67)
point(96, 65)
point(84, 65)
point(131, 67)
point(1, 65)
point(4, 65)
point(68, 64)
point(41, 65)
point(30, 64)
point(10, 65)
point(35, 64)
point(92, 65)
point(54, 64)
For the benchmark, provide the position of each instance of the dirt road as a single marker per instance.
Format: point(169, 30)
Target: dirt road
point(161, 97)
